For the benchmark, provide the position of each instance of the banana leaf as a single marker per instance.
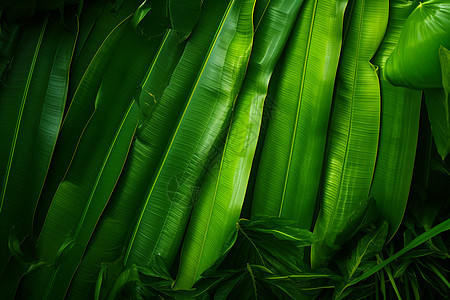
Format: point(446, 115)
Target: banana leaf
point(127, 194)
point(63, 264)
point(161, 224)
point(184, 16)
point(114, 229)
point(399, 128)
point(266, 116)
point(353, 134)
point(289, 171)
point(97, 21)
point(438, 107)
point(110, 57)
point(425, 30)
point(159, 74)
point(216, 211)
point(32, 105)
point(94, 170)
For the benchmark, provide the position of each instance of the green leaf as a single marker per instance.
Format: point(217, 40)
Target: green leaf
point(15, 115)
point(98, 283)
point(165, 212)
point(184, 16)
point(129, 275)
point(79, 201)
point(15, 249)
point(268, 239)
point(425, 30)
point(80, 111)
point(95, 168)
point(89, 15)
point(353, 131)
point(98, 21)
point(37, 122)
point(289, 170)
point(438, 107)
point(130, 189)
point(113, 230)
point(368, 246)
point(399, 128)
point(218, 207)
point(159, 75)
point(152, 19)
point(424, 237)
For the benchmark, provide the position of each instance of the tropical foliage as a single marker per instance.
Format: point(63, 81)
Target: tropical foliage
point(232, 149)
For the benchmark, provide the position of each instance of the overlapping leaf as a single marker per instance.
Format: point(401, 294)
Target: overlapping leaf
point(164, 215)
point(218, 207)
point(425, 30)
point(438, 107)
point(399, 128)
point(80, 110)
point(95, 168)
point(32, 104)
point(290, 167)
point(353, 134)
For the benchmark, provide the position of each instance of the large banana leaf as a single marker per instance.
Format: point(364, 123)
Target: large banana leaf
point(184, 16)
point(95, 168)
point(130, 189)
point(218, 207)
point(148, 147)
point(438, 107)
point(32, 105)
point(162, 221)
point(105, 61)
point(289, 171)
point(399, 128)
point(159, 75)
point(266, 116)
point(353, 135)
point(97, 22)
point(414, 62)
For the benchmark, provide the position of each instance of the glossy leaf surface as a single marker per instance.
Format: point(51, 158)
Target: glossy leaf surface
point(438, 107)
point(169, 80)
point(414, 62)
point(164, 215)
point(353, 134)
point(290, 167)
point(80, 110)
point(41, 96)
point(218, 207)
point(83, 194)
point(399, 128)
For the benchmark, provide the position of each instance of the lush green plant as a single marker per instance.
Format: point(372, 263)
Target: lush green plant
point(239, 149)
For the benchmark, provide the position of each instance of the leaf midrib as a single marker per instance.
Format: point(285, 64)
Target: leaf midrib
point(133, 237)
point(65, 95)
point(219, 175)
point(94, 188)
point(300, 95)
point(21, 109)
point(350, 125)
